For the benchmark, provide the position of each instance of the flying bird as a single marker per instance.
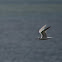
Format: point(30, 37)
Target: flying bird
point(43, 34)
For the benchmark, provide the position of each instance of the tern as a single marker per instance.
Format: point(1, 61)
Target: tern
point(43, 34)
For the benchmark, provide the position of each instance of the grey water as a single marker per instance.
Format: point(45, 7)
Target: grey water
point(19, 25)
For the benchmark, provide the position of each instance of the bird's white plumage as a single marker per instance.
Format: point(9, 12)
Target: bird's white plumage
point(42, 29)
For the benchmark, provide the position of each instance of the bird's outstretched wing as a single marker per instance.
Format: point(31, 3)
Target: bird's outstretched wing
point(44, 35)
point(40, 30)
point(47, 28)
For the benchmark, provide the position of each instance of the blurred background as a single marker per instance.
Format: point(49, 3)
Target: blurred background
point(20, 21)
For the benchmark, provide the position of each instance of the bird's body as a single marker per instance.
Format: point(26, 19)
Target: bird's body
point(45, 38)
point(42, 31)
